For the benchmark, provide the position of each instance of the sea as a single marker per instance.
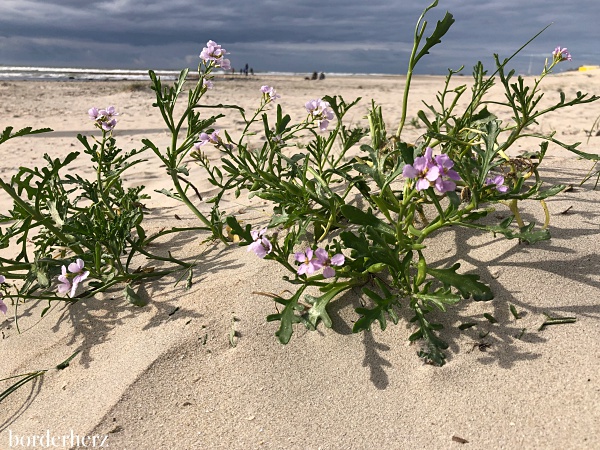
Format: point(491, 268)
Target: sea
point(83, 74)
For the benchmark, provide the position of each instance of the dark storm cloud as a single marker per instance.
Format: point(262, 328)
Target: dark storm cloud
point(284, 35)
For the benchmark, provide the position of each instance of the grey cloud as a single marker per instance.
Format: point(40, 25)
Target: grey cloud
point(338, 35)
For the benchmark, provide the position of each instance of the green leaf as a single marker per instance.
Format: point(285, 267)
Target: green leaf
point(384, 304)
point(514, 312)
point(490, 318)
point(319, 304)
point(6, 134)
point(184, 170)
point(467, 284)
point(132, 297)
point(359, 217)
point(524, 233)
point(441, 29)
point(439, 299)
point(288, 316)
point(236, 228)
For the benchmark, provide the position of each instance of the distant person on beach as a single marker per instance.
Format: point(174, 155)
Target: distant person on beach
point(251, 71)
point(314, 76)
point(246, 69)
point(322, 76)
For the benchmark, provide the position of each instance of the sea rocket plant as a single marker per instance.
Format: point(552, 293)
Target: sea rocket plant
point(78, 274)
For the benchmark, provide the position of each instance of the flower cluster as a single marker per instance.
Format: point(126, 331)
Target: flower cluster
point(430, 171)
point(269, 94)
point(104, 118)
point(321, 111)
point(311, 261)
point(76, 271)
point(261, 245)
point(561, 54)
point(3, 306)
point(498, 182)
point(214, 52)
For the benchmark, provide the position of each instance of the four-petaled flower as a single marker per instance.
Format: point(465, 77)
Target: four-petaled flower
point(498, 181)
point(261, 245)
point(76, 271)
point(561, 54)
point(205, 138)
point(432, 172)
point(326, 262)
point(309, 262)
point(214, 52)
point(3, 306)
point(104, 118)
point(269, 93)
point(445, 165)
point(207, 83)
point(321, 111)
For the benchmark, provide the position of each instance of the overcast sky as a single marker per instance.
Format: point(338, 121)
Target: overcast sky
point(358, 36)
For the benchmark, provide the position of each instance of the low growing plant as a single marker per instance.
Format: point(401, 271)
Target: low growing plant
point(68, 231)
point(354, 208)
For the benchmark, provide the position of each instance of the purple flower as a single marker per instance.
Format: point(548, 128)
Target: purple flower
point(269, 93)
point(205, 138)
point(3, 306)
point(309, 263)
point(104, 118)
point(498, 181)
point(321, 111)
point(207, 84)
point(214, 52)
point(424, 169)
point(445, 165)
point(76, 271)
point(261, 245)
point(561, 54)
point(326, 262)
point(430, 172)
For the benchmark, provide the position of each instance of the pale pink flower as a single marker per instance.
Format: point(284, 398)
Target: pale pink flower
point(326, 262)
point(78, 275)
point(561, 54)
point(498, 182)
point(214, 52)
point(269, 93)
point(261, 245)
point(321, 111)
point(104, 118)
point(309, 262)
point(206, 138)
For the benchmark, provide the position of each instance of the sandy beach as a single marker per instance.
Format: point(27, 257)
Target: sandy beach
point(202, 369)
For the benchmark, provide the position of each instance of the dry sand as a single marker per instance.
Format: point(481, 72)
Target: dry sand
point(166, 376)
